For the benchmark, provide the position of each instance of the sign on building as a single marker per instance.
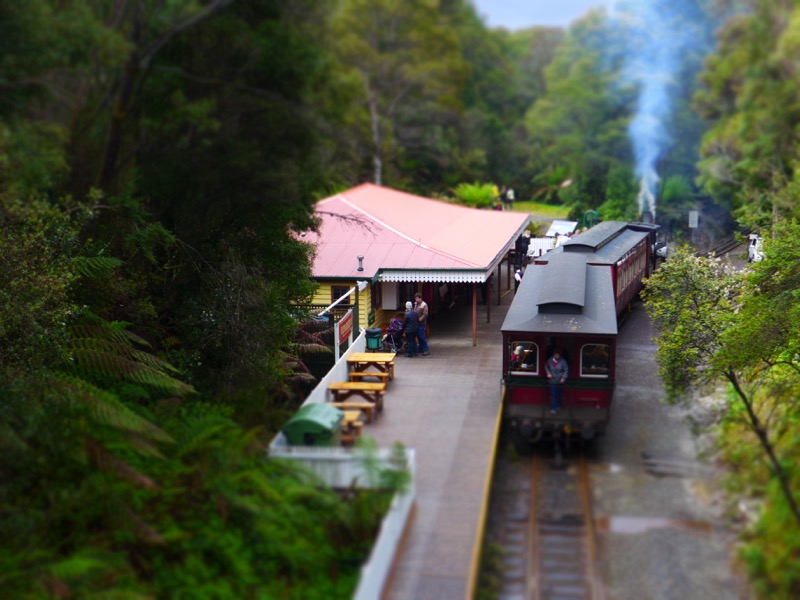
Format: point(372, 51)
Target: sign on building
point(343, 331)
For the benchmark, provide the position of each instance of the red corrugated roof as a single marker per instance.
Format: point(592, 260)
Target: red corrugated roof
point(397, 230)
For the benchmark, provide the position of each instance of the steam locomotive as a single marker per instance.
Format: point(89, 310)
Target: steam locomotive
point(571, 301)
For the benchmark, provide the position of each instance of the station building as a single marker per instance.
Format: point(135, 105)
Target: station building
point(397, 244)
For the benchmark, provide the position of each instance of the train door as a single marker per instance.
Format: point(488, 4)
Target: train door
point(564, 345)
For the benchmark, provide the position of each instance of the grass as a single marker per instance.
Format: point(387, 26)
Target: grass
point(540, 211)
point(541, 214)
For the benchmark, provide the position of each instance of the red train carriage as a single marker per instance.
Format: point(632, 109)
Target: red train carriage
point(625, 248)
point(569, 300)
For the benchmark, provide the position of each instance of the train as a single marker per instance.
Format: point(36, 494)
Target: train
point(572, 300)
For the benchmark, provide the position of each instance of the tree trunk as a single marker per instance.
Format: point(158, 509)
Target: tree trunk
point(374, 118)
point(122, 104)
point(763, 438)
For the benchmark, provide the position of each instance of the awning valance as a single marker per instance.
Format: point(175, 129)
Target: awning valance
point(435, 276)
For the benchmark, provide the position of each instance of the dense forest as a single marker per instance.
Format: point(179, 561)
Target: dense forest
point(155, 158)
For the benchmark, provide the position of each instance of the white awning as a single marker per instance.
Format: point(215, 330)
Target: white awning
point(436, 276)
point(561, 227)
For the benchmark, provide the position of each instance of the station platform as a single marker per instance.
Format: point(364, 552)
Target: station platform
point(447, 407)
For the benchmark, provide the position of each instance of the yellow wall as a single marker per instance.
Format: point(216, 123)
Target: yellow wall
point(323, 296)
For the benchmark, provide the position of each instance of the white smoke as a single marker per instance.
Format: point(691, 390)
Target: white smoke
point(659, 33)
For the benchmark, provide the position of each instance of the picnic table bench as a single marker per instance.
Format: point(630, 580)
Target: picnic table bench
point(342, 390)
point(381, 362)
point(359, 375)
point(362, 406)
point(351, 426)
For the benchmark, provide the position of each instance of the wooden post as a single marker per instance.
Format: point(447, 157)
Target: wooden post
point(475, 292)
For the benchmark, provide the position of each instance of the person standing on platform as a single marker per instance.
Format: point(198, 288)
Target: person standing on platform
point(525, 245)
point(510, 198)
point(556, 368)
point(411, 328)
point(422, 310)
point(517, 279)
point(521, 247)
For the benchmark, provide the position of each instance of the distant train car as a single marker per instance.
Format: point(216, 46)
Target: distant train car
point(569, 301)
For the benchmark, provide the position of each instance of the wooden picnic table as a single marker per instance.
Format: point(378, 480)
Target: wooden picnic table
point(382, 362)
point(373, 392)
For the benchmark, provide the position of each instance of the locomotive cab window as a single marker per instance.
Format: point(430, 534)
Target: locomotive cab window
point(524, 357)
point(595, 360)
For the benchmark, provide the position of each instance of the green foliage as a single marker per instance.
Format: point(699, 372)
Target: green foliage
point(37, 242)
point(406, 58)
point(749, 155)
point(715, 323)
point(620, 203)
point(692, 301)
point(476, 195)
point(207, 516)
point(771, 546)
point(578, 128)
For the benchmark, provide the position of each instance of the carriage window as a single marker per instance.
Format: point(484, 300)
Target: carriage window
point(524, 357)
point(595, 360)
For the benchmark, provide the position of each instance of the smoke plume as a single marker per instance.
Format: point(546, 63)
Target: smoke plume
point(665, 39)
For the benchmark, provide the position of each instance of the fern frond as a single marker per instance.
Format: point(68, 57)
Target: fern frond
point(106, 331)
point(144, 446)
point(122, 349)
point(310, 349)
point(123, 326)
point(93, 267)
point(110, 463)
point(308, 337)
point(302, 379)
point(208, 435)
point(10, 439)
point(106, 409)
point(101, 328)
point(114, 366)
point(82, 564)
point(143, 530)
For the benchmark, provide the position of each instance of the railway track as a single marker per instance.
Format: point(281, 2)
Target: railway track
point(542, 523)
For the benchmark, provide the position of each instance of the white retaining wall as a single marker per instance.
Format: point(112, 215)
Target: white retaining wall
point(340, 467)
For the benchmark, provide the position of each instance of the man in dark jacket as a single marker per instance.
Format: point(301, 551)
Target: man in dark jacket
point(411, 327)
point(557, 369)
point(422, 311)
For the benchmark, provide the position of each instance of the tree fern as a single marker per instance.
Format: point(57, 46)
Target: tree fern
point(106, 409)
point(107, 351)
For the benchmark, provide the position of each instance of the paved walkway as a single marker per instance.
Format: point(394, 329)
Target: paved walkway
point(446, 406)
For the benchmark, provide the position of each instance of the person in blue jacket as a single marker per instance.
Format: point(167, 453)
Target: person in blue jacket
point(556, 368)
point(411, 328)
